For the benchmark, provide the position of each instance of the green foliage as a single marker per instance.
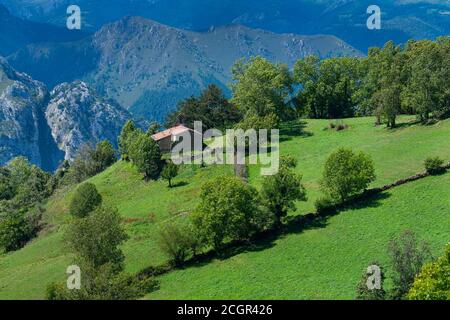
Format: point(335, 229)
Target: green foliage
point(427, 89)
point(280, 191)
point(326, 86)
point(211, 108)
point(178, 241)
point(85, 200)
point(228, 210)
point(90, 161)
point(433, 281)
point(103, 156)
point(408, 255)
point(123, 139)
point(95, 240)
point(169, 172)
point(153, 128)
point(103, 283)
point(260, 88)
point(22, 185)
point(144, 152)
point(14, 232)
point(364, 293)
point(6, 188)
point(434, 165)
point(347, 174)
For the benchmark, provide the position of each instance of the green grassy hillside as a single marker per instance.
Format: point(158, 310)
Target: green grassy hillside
point(320, 262)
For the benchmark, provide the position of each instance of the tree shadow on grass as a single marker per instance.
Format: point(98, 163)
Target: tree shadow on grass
point(179, 184)
point(294, 129)
point(404, 125)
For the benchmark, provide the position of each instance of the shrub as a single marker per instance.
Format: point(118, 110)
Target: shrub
point(408, 255)
point(103, 156)
point(347, 174)
point(280, 191)
point(169, 172)
point(85, 200)
point(14, 232)
point(95, 240)
point(178, 242)
point(433, 281)
point(228, 209)
point(103, 283)
point(434, 166)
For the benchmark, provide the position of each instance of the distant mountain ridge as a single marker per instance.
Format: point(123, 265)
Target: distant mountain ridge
point(346, 19)
point(148, 67)
point(16, 33)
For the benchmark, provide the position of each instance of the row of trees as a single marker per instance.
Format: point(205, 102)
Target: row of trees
point(411, 79)
point(230, 209)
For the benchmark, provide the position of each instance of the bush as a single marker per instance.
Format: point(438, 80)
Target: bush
point(434, 166)
point(103, 156)
point(228, 209)
point(169, 172)
point(408, 255)
point(280, 191)
point(347, 174)
point(103, 283)
point(433, 281)
point(14, 232)
point(178, 242)
point(96, 239)
point(85, 200)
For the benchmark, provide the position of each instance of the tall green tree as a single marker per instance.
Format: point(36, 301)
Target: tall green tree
point(228, 210)
point(128, 129)
point(261, 88)
point(280, 191)
point(144, 152)
point(212, 108)
point(346, 174)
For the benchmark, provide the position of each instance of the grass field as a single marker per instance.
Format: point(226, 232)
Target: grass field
point(321, 262)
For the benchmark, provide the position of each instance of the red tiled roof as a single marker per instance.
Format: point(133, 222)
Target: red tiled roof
point(170, 132)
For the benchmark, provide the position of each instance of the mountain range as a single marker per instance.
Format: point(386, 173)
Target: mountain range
point(147, 67)
point(346, 19)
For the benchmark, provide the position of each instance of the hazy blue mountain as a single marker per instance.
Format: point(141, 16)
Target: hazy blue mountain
point(148, 67)
point(346, 19)
point(16, 33)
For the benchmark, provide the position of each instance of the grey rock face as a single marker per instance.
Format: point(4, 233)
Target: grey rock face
point(46, 128)
point(77, 115)
point(22, 101)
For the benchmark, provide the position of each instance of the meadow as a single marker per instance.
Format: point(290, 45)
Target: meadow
point(324, 260)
